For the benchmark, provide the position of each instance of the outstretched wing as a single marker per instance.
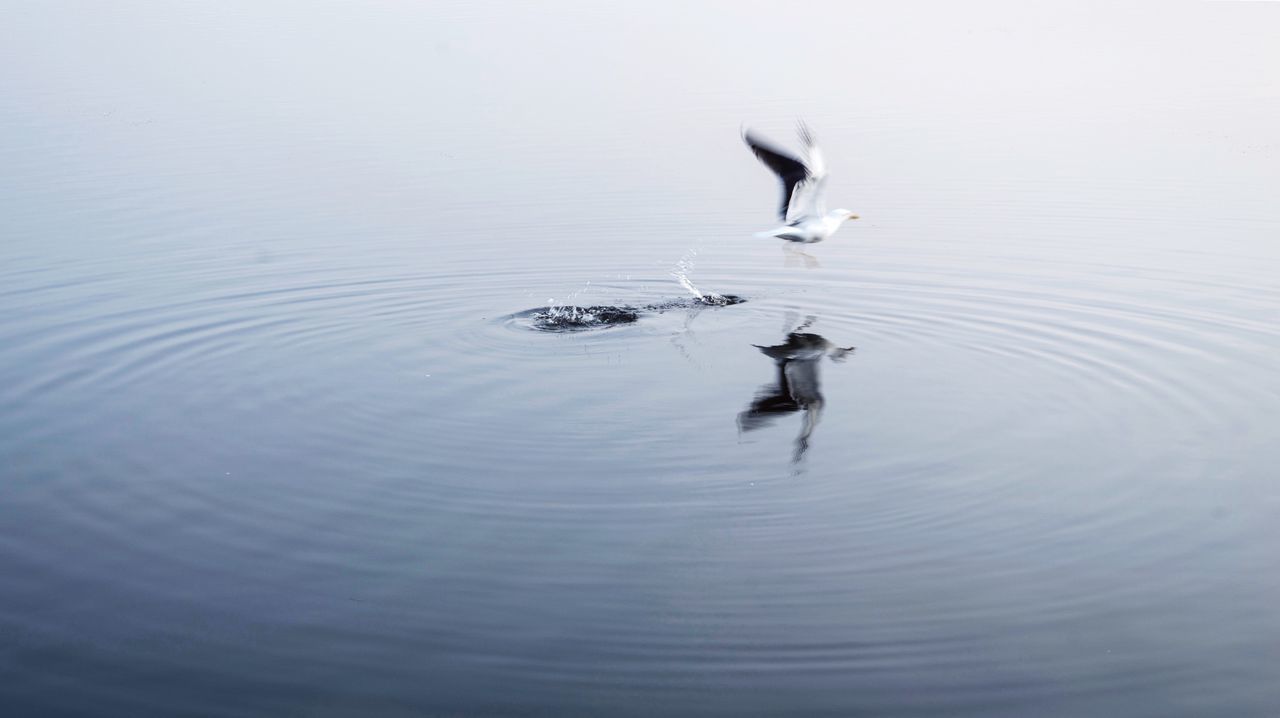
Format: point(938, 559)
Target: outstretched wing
point(809, 201)
point(790, 170)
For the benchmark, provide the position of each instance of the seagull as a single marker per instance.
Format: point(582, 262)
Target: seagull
point(803, 208)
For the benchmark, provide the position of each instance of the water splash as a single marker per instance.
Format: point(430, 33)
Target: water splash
point(682, 270)
point(568, 314)
point(573, 318)
point(569, 318)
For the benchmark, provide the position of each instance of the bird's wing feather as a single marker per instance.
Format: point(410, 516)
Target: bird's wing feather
point(813, 159)
point(810, 202)
point(790, 170)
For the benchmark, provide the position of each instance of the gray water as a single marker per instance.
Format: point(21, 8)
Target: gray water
point(278, 437)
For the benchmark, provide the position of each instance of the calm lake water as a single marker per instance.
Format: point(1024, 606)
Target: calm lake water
point(278, 438)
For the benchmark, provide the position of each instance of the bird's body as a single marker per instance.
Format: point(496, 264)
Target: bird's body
point(809, 229)
point(804, 180)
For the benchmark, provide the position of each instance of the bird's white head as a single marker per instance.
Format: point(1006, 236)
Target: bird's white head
point(844, 215)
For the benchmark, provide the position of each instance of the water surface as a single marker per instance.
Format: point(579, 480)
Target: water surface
point(278, 438)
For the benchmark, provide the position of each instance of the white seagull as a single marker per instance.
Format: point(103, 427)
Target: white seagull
point(803, 209)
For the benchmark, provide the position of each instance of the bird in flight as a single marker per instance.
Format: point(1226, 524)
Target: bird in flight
point(803, 210)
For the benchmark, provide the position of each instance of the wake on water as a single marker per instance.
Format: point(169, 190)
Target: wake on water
point(571, 317)
point(568, 318)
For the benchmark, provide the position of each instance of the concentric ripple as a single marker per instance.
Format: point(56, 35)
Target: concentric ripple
point(415, 360)
point(353, 453)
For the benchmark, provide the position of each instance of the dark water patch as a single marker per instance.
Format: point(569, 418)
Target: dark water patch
point(568, 319)
point(574, 318)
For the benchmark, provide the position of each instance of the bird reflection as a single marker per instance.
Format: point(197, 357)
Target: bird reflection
point(797, 386)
